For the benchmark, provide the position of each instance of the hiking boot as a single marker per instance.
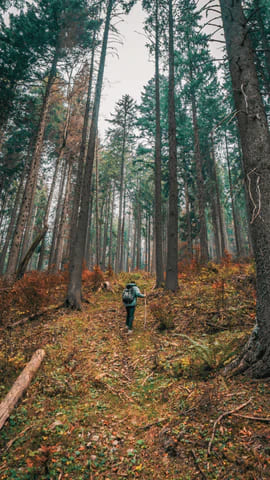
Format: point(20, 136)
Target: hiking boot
point(129, 330)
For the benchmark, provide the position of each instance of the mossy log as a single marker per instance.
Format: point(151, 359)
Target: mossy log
point(20, 385)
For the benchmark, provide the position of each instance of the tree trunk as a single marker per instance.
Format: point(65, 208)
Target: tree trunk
point(265, 43)
point(149, 244)
point(218, 201)
point(12, 223)
point(134, 244)
point(47, 211)
point(83, 150)
point(204, 255)
point(20, 385)
point(189, 235)
point(110, 262)
point(120, 219)
point(139, 238)
point(122, 239)
point(215, 225)
point(172, 245)
point(58, 214)
point(74, 294)
point(158, 198)
point(61, 237)
point(23, 265)
point(31, 180)
point(235, 223)
point(105, 230)
point(97, 209)
point(255, 141)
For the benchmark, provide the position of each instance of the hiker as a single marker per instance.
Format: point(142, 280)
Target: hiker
point(129, 297)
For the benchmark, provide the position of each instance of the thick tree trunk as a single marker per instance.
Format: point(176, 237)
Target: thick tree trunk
point(265, 42)
point(74, 294)
point(158, 198)
point(21, 384)
point(83, 150)
point(255, 141)
point(32, 177)
point(172, 245)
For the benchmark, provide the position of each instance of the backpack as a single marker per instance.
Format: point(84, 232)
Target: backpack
point(128, 296)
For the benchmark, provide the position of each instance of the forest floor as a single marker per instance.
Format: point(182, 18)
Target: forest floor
point(108, 405)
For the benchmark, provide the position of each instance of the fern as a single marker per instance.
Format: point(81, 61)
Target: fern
point(215, 354)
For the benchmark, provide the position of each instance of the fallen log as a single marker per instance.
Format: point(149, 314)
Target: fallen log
point(20, 385)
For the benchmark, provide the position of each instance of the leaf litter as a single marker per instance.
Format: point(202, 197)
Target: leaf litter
point(107, 405)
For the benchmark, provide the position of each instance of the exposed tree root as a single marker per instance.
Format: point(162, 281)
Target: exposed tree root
point(254, 360)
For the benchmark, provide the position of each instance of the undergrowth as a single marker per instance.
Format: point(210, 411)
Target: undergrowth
point(107, 405)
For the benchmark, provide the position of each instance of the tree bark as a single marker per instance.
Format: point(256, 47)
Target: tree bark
point(215, 224)
point(189, 231)
point(158, 198)
point(204, 255)
point(217, 192)
point(97, 208)
point(47, 211)
point(139, 237)
point(20, 385)
point(23, 265)
point(255, 142)
point(235, 223)
point(12, 222)
point(63, 221)
point(172, 245)
point(110, 262)
point(122, 238)
point(120, 216)
point(265, 43)
point(74, 294)
point(83, 151)
point(57, 214)
point(32, 177)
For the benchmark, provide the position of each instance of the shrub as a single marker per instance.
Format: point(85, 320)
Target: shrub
point(29, 294)
point(95, 278)
point(163, 314)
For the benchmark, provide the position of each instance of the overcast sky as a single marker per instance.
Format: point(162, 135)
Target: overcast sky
point(128, 72)
point(131, 70)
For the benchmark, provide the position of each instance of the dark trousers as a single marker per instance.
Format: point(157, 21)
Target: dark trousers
point(130, 316)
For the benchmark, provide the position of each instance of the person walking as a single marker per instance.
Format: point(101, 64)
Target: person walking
point(130, 295)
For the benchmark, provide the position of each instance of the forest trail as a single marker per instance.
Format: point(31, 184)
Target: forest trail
point(108, 405)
